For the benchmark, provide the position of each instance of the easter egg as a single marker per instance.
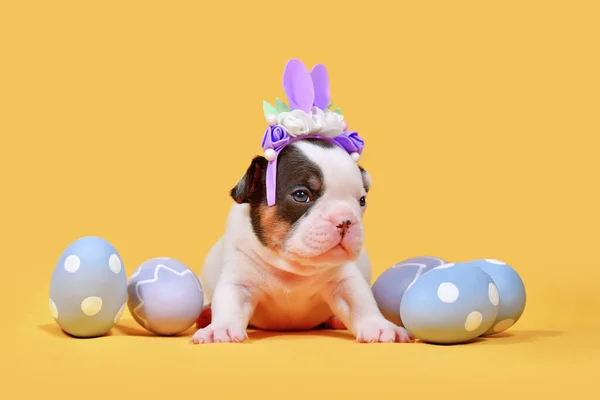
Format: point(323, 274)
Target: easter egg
point(88, 288)
point(390, 286)
point(165, 296)
point(452, 303)
point(512, 293)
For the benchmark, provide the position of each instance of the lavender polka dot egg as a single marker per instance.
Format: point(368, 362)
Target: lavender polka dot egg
point(165, 296)
point(88, 288)
point(390, 286)
point(452, 303)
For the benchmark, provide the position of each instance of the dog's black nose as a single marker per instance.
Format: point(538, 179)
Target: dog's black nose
point(343, 227)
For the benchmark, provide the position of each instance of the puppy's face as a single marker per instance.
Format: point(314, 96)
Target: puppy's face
point(321, 198)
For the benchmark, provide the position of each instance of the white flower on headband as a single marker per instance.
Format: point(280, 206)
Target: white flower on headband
point(334, 124)
point(296, 122)
point(299, 123)
point(318, 118)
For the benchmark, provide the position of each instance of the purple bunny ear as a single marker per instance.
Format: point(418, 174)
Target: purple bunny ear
point(298, 85)
point(320, 81)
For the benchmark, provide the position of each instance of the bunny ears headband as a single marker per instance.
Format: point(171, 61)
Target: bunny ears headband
point(308, 116)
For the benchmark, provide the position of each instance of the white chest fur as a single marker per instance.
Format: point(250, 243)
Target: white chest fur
point(285, 300)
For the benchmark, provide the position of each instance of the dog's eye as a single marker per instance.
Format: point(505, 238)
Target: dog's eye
point(301, 196)
point(363, 201)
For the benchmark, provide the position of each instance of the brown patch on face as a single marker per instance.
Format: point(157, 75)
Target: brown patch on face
point(273, 230)
point(295, 172)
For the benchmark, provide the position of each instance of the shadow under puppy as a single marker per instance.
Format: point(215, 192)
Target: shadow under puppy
point(299, 263)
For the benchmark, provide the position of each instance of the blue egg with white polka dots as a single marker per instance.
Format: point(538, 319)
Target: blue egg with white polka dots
point(88, 288)
point(512, 293)
point(452, 303)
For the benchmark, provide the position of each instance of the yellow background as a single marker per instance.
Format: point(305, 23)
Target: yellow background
point(132, 120)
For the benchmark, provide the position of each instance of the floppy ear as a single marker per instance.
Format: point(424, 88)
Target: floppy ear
point(250, 187)
point(366, 178)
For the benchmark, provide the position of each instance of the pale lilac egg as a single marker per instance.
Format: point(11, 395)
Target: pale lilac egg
point(390, 286)
point(165, 296)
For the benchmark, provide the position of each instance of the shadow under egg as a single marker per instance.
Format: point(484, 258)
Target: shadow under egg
point(56, 331)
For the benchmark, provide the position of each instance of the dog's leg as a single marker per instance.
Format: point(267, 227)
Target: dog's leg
point(352, 301)
point(231, 309)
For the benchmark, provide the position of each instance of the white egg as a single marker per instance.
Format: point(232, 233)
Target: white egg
point(88, 289)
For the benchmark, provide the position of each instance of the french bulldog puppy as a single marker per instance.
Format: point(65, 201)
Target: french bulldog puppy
point(299, 263)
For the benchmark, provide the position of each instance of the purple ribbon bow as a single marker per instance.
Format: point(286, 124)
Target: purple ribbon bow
point(276, 138)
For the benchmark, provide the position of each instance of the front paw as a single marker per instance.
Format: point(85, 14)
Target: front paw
point(380, 330)
point(224, 333)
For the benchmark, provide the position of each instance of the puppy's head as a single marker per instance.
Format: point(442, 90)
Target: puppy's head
point(320, 201)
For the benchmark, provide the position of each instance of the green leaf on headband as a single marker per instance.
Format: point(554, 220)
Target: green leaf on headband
point(281, 106)
point(328, 106)
point(338, 110)
point(269, 109)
